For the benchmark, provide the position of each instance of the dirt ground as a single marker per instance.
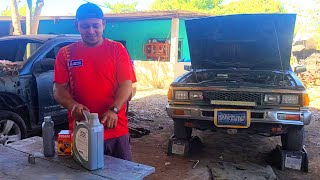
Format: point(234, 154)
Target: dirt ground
point(148, 111)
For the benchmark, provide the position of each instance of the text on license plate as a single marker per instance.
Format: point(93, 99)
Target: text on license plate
point(232, 118)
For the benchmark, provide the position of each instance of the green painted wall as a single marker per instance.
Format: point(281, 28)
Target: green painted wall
point(4, 28)
point(135, 33)
point(57, 27)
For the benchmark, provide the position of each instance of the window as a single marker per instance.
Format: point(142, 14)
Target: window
point(18, 49)
point(47, 63)
point(30, 48)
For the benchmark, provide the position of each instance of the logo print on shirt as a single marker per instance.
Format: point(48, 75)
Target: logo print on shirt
point(75, 63)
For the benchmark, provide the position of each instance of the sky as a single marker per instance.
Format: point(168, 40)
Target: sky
point(68, 7)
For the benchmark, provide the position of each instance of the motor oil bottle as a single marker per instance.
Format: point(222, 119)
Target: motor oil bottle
point(88, 144)
point(48, 137)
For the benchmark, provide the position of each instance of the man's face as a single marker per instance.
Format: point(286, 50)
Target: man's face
point(91, 30)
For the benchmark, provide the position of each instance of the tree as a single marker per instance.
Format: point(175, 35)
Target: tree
point(316, 17)
point(15, 17)
point(17, 13)
point(308, 22)
point(36, 16)
point(216, 8)
point(122, 7)
point(252, 6)
point(186, 5)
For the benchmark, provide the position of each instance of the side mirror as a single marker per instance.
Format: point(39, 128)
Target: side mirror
point(300, 69)
point(187, 67)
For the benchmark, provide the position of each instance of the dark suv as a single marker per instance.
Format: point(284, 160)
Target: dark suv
point(240, 79)
point(26, 81)
point(27, 66)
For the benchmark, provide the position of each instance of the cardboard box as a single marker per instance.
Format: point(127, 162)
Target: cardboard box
point(64, 143)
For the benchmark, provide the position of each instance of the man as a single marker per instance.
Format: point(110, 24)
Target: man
point(96, 74)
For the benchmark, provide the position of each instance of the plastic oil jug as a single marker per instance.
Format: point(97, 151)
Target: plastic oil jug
point(88, 144)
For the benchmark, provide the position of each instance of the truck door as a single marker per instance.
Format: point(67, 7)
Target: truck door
point(43, 71)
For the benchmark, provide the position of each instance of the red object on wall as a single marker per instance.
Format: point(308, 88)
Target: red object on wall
point(157, 51)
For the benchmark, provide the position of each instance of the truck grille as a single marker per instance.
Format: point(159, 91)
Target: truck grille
point(233, 96)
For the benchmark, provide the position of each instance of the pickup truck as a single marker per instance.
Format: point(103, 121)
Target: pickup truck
point(26, 81)
point(240, 80)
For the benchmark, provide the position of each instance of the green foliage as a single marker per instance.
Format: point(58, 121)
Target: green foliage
point(252, 6)
point(21, 10)
point(122, 7)
point(186, 5)
point(215, 7)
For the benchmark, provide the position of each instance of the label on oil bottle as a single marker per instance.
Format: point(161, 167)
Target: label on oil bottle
point(82, 143)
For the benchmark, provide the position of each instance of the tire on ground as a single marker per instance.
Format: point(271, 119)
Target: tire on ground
point(9, 115)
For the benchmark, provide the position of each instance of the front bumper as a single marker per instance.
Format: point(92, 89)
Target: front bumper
point(257, 116)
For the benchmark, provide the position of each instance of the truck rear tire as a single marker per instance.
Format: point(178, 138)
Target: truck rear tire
point(293, 140)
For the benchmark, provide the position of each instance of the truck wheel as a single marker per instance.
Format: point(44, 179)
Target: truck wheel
point(293, 140)
point(12, 127)
point(180, 131)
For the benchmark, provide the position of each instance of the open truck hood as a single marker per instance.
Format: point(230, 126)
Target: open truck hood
point(255, 41)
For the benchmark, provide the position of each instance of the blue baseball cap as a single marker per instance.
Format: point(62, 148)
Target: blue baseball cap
point(89, 10)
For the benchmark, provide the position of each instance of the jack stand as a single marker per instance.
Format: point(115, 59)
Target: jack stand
point(183, 147)
point(293, 159)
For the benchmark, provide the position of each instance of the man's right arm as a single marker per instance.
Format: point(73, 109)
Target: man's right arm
point(62, 95)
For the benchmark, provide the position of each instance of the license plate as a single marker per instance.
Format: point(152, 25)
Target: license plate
point(232, 118)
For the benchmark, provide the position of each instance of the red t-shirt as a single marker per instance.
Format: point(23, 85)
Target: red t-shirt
point(94, 74)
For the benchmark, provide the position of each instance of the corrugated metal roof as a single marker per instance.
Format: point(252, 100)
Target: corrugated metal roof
point(41, 37)
point(139, 15)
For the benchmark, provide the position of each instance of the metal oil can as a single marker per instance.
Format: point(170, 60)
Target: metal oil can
point(88, 143)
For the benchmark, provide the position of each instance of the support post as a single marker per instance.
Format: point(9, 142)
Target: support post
point(174, 43)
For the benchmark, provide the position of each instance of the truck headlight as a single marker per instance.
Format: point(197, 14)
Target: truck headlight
point(181, 95)
point(195, 95)
point(290, 99)
point(272, 98)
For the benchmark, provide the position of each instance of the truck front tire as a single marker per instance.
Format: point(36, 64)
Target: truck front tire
point(180, 131)
point(293, 140)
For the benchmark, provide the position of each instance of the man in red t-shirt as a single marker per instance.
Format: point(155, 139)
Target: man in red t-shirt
point(96, 74)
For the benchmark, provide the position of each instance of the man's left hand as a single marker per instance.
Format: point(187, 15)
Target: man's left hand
point(109, 119)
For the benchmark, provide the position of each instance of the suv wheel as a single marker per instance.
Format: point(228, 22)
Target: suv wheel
point(12, 127)
point(180, 131)
point(293, 140)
